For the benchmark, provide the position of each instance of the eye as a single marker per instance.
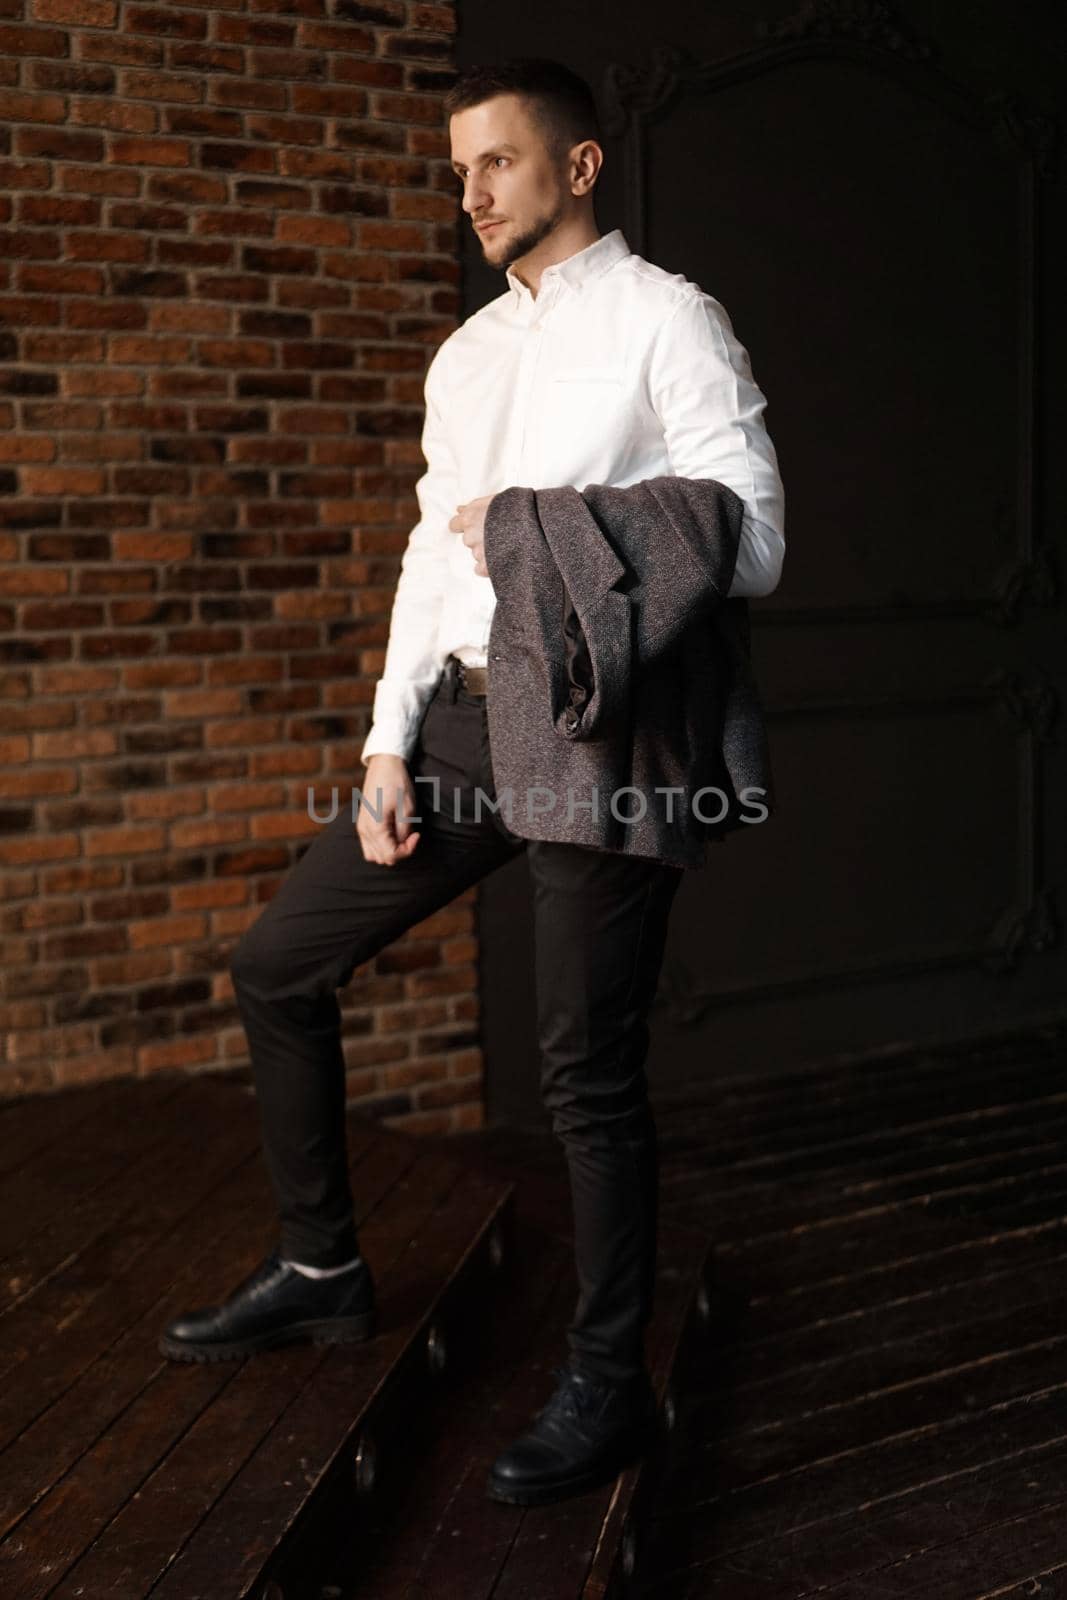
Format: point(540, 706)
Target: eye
point(460, 173)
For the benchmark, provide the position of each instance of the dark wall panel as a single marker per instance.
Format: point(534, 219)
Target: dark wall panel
point(877, 202)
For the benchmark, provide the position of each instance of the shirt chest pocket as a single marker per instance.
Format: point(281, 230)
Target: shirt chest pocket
point(600, 376)
point(582, 423)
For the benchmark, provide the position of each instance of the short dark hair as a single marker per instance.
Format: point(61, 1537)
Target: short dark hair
point(560, 102)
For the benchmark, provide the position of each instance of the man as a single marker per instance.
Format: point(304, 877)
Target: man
point(593, 366)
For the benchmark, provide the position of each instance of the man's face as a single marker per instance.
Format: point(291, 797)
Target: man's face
point(509, 178)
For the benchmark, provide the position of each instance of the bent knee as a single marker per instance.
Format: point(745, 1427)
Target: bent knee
point(257, 960)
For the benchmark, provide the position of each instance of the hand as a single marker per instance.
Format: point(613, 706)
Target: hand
point(391, 839)
point(469, 520)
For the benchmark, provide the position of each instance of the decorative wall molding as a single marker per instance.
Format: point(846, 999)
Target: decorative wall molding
point(872, 21)
point(1028, 924)
point(634, 97)
point(1032, 133)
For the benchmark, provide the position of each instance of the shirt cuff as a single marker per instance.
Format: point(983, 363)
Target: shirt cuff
point(388, 739)
point(760, 556)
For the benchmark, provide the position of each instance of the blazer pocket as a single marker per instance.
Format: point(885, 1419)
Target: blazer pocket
point(592, 694)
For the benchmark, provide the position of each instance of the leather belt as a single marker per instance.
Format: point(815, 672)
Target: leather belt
point(475, 680)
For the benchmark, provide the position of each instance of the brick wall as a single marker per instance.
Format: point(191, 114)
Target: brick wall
point(228, 249)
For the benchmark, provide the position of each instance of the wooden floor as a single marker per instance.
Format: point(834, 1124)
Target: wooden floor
point(882, 1408)
point(125, 1474)
point(431, 1534)
point(877, 1408)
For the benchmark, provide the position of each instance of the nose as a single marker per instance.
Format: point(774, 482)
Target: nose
point(476, 198)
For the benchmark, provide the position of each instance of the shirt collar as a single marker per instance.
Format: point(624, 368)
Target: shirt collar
point(583, 267)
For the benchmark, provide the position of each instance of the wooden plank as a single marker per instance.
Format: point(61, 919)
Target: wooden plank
point(877, 1322)
point(618, 1543)
point(69, 1464)
point(859, 1481)
point(1037, 1583)
point(33, 1124)
point(126, 1213)
point(770, 1311)
point(804, 1141)
point(884, 1410)
point(794, 1417)
point(425, 1233)
point(1020, 1550)
point(962, 1216)
point(490, 1529)
point(53, 1337)
point(953, 1063)
point(889, 1152)
point(444, 1539)
point(435, 1532)
point(48, 1182)
point(848, 1539)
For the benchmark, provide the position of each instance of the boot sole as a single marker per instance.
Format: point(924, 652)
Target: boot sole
point(323, 1330)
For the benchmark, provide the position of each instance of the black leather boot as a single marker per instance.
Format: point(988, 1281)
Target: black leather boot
point(590, 1429)
point(274, 1305)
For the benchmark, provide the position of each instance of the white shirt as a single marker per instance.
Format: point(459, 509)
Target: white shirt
point(617, 371)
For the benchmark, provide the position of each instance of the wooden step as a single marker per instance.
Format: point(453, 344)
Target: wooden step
point(432, 1532)
point(679, 1339)
point(125, 1474)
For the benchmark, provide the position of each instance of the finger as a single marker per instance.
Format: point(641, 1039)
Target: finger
point(401, 852)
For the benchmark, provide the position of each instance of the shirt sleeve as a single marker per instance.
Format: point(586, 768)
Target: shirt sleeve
point(413, 661)
point(711, 411)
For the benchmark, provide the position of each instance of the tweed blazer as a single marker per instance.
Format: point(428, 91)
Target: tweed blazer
point(623, 710)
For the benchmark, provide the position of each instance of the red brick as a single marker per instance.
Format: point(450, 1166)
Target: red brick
point(280, 222)
point(162, 805)
point(77, 13)
point(122, 971)
point(188, 1051)
point(150, 152)
point(38, 780)
point(468, 1117)
point(15, 852)
point(126, 116)
point(431, 18)
point(17, 106)
point(166, 931)
point(206, 896)
point(164, 22)
point(123, 841)
point(96, 1066)
point(22, 41)
point(207, 831)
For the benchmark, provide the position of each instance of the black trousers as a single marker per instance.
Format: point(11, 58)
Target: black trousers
point(600, 924)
